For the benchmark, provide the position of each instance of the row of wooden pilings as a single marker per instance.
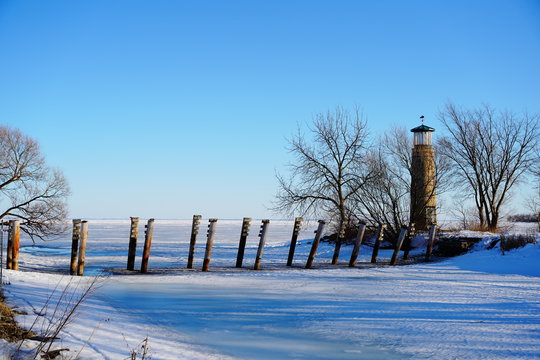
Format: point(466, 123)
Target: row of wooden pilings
point(405, 235)
point(80, 234)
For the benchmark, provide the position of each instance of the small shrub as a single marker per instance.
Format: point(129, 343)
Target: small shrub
point(515, 241)
point(531, 218)
point(142, 352)
point(448, 247)
point(476, 227)
point(55, 316)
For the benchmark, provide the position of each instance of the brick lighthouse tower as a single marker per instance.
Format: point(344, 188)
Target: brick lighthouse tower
point(423, 201)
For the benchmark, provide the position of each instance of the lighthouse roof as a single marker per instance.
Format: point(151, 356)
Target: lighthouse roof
point(422, 128)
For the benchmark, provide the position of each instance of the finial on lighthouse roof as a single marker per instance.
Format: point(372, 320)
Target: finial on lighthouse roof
point(422, 128)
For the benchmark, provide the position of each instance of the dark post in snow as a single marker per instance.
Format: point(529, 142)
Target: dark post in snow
point(294, 238)
point(82, 248)
point(262, 235)
point(408, 241)
point(340, 239)
point(357, 243)
point(242, 244)
point(193, 239)
point(132, 249)
point(74, 246)
point(9, 254)
point(378, 241)
point(431, 242)
point(147, 244)
point(209, 243)
point(399, 243)
point(315, 245)
point(15, 235)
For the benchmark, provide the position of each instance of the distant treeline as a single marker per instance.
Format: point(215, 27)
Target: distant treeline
point(524, 218)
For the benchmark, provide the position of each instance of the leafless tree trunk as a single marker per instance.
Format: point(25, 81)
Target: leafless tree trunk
point(489, 151)
point(328, 169)
point(29, 190)
point(534, 203)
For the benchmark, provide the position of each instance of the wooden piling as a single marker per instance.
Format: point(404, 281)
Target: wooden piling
point(193, 239)
point(431, 242)
point(315, 244)
point(82, 248)
point(262, 236)
point(399, 243)
point(147, 245)
point(15, 235)
point(294, 238)
point(357, 243)
point(132, 249)
point(9, 253)
point(408, 241)
point(74, 246)
point(339, 240)
point(378, 241)
point(242, 244)
point(209, 243)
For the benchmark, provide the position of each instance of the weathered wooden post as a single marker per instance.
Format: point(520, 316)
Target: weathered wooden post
point(339, 240)
point(262, 236)
point(193, 240)
point(2, 223)
point(15, 235)
point(315, 244)
point(147, 244)
point(378, 241)
point(132, 249)
point(399, 243)
point(408, 241)
point(431, 242)
point(82, 248)
point(9, 253)
point(294, 238)
point(242, 244)
point(357, 243)
point(209, 243)
point(74, 246)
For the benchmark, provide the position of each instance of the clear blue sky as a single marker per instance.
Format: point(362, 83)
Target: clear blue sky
point(170, 108)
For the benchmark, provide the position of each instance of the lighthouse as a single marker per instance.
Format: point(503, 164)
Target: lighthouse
point(423, 178)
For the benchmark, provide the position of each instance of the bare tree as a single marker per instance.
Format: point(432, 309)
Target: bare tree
point(29, 190)
point(386, 196)
point(533, 203)
point(489, 151)
point(328, 169)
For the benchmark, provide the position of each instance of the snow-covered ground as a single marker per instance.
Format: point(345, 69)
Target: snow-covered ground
point(481, 305)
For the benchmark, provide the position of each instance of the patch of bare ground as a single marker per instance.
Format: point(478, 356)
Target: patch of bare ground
point(9, 329)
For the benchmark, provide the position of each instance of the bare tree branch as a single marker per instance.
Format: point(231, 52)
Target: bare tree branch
point(29, 190)
point(327, 169)
point(489, 151)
